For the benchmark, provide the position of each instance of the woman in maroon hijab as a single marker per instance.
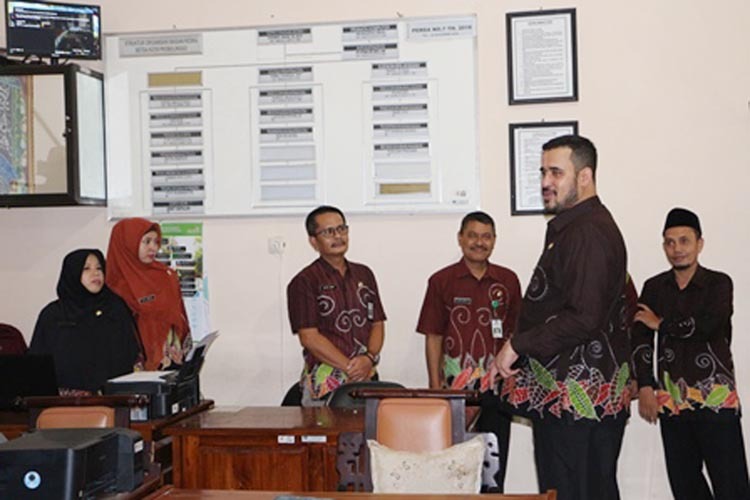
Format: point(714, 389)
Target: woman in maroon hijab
point(151, 290)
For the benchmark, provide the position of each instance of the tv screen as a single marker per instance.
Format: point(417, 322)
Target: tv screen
point(52, 148)
point(53, 30)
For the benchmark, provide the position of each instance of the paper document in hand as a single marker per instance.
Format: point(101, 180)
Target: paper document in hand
point(204, 342)
point(144, 376)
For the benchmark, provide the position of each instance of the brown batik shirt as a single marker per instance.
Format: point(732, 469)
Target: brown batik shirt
point(573, 331)
point(695, 368)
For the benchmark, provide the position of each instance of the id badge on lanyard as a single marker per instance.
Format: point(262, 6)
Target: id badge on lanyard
point(496, 323)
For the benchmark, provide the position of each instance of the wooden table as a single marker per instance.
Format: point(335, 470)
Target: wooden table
point(172, 493)
point(279, 448)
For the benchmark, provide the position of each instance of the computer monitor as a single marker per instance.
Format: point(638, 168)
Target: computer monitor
point(26, 375)
point(55, 30)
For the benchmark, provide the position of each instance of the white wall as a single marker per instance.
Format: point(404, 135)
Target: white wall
point(663, 93)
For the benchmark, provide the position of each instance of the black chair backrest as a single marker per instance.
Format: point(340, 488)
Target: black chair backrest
point(342, 396)
point(11, 340)
point(293, 396)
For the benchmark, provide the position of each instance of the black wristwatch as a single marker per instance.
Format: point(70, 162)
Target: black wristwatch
point(375, 358)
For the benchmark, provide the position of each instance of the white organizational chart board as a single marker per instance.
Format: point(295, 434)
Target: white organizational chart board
point(375, 116)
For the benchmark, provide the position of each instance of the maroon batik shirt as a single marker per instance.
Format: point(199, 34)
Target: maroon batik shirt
point(461, 308)
point(342, 308)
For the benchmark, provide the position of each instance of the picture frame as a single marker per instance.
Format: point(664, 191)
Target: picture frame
point(542, 56)
point(526, 140)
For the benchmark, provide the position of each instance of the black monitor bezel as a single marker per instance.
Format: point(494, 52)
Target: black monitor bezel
point(8, 38)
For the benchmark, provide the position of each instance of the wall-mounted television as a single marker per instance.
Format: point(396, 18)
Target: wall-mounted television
point(50, 29)
point(52, 149)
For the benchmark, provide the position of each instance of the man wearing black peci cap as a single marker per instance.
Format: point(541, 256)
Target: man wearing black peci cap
point(694, 394)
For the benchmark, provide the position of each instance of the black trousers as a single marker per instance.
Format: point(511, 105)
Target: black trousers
point(578, 459)
point(493, 419)
point(688, 444)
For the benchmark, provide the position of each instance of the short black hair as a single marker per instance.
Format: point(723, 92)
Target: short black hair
point(582, 151)
point(477, 216)
point(310, 223)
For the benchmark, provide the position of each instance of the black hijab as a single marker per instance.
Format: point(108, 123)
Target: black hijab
point(76, 301)
point(92, 337)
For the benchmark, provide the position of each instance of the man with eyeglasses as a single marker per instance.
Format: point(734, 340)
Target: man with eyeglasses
point(470, 309)
point(335, 310)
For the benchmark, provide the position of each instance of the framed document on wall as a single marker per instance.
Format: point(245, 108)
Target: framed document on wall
point(526, 140)
point(542, 56)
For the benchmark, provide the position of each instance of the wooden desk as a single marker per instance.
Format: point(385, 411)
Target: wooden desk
point(152, 481)
point(13, 423)
point(160, 444)
point(172, 493)
point(279, 448)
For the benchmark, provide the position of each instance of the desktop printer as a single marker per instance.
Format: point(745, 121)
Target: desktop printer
point(71, 464)
point(169, 392)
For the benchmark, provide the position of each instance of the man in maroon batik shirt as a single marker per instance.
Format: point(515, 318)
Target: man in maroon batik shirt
point(335, 310)
point(469, 311)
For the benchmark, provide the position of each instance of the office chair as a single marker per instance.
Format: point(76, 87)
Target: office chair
point(416, 420)
point(11, 340)
point(293, 396)
point(343, 396)
point(63, 417)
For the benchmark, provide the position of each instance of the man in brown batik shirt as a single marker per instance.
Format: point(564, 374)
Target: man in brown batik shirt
point(694, 395)
point(567, 365)
point(335, 310)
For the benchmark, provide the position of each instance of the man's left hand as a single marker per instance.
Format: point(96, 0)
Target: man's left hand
point(503, 362)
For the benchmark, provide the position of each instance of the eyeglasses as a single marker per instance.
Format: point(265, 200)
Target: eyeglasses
point(330, 232)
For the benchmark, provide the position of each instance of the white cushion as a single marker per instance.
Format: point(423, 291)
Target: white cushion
point(457, 469)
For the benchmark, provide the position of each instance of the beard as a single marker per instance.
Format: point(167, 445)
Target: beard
point(681, 267)
point(567, 202)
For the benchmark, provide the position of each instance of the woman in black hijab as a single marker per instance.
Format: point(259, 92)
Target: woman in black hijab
point(88, 330)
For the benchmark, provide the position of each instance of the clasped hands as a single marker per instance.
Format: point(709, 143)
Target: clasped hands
point(359, 368)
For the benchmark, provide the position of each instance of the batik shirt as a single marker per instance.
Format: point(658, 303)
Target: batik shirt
point(462, 308)
point(695, 368)
point(573, 332)
point(342, 308)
